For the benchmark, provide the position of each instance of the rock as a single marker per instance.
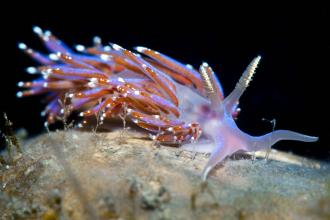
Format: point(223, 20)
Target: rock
point(85, 175)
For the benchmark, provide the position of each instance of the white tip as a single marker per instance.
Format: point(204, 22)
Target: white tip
point(46, 124)
point(135, 121)
point(80, 48)
point(204, 64)
point(22, 46)
point(121, 80)
point(81, 114)
point(43, 113)
point(46, 73)
point(254, 63)
point(107, 48)
point(144, 66)
point(141, 49)
point(105, 57)
point(93, 82)
point(249, 72)
point(19, 94)
point(116, 47)
point(91, 85)
point(31, 70)
point(62, 111)
point(20, 84)
point(37, 30)
point(152, 137)
point(97, 40)
point(136, 92)
point(47, 33)
point(45, 85)
point(156, 116)
point(257, 59)
point(53, 57)
point(189, 66)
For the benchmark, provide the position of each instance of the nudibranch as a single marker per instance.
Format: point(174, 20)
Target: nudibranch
point(174, 102)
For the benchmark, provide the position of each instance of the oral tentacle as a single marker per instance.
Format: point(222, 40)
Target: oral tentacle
point(268, 140)
point(218, 154)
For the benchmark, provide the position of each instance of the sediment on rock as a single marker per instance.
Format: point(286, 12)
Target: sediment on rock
point(82, 175)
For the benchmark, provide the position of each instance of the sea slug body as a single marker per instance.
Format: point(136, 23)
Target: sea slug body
point(174, 102)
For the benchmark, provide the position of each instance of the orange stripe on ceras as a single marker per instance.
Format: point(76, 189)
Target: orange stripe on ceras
point(176, 76)
point(32, 92)
point(107, 67)
point(38, 56)
point(59, 71)
point(118, 58)
point(147, 126)
point(148, 86)
point(149, 101)
point(152, 88)
point(160, 80)
point(177, 67)
point(73, 62)
point(144, 100)
point(167, 138)
point(130, 102)
point(100, 94)
point(159, 122)
point(61, 84)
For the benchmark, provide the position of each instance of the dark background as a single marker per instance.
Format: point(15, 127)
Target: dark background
point(291, 83)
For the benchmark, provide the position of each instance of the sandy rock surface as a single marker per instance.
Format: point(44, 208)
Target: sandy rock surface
point(83, 175)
